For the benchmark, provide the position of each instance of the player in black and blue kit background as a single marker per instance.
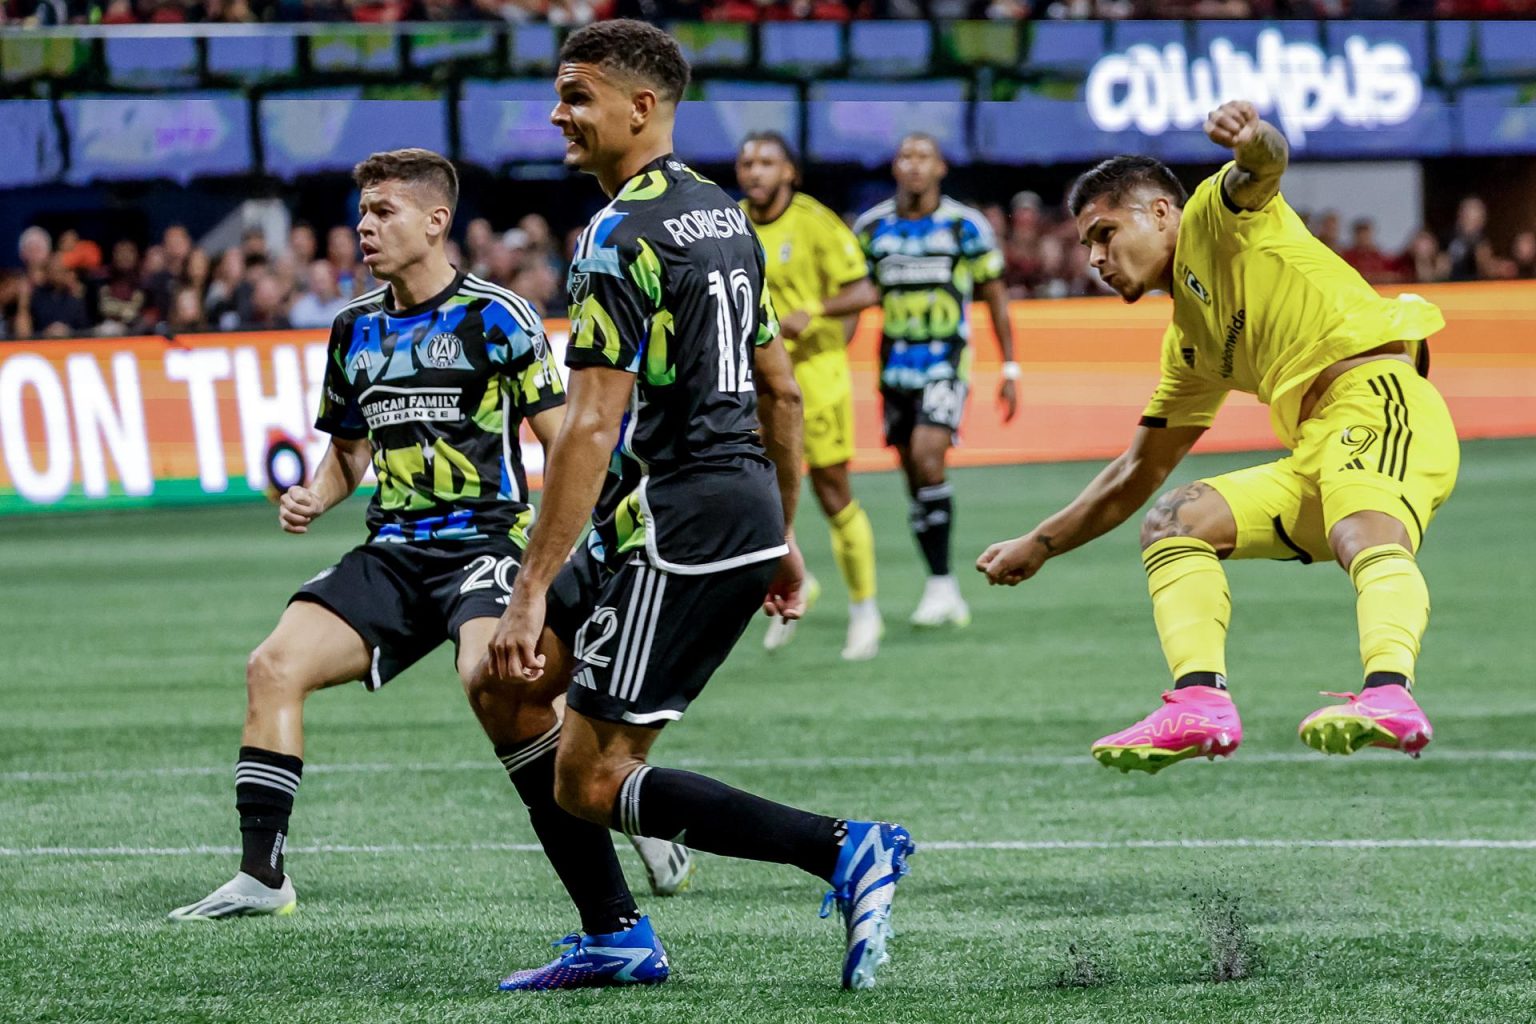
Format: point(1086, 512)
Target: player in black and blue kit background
point(682, 444)
point(930, 255)
point(428, 378)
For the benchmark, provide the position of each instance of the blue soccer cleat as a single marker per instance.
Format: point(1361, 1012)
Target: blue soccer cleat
point(873, 858)
point(632, 957)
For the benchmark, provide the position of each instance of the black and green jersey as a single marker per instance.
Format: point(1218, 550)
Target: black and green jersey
point(667, 283)
point(440, 390)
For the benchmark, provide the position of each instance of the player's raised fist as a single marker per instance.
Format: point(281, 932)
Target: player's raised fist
point(297, 508)
point(1232, 124)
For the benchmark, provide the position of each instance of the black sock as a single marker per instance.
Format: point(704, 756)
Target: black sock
point(931, 513)
point(581, 852)
point(1215, 679)
point(1385, 679)
point(703, 814)
point(265, 784)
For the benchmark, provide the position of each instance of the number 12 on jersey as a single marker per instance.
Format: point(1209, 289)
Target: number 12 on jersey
point(733, 328)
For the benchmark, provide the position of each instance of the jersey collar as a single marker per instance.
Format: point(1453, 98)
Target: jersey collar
point(426, 304)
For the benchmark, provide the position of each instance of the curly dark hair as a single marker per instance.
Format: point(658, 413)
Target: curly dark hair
point(632, 48)
point(773, 138)
point(1119, 176)
point(414, 167)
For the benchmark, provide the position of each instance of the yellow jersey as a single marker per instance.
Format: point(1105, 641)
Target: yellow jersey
point(810, 256)
point(1261, 306)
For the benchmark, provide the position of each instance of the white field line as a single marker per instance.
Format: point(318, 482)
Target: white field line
point(944, 846)
point(488, 764)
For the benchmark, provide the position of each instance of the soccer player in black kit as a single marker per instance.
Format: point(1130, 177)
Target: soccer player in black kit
point(428, 378)
point(673, 354)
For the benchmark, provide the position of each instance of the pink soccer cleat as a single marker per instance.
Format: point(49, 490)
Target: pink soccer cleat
point(1197, 721)
point(1382, 716)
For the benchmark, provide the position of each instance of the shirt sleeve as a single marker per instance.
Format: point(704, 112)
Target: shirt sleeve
point(339, 415)
point(978, 245)
point(839, 253)
point(614, 293)
point(517, 342)
point(1181, 399)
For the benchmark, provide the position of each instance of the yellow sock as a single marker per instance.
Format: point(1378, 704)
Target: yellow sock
point(1190, 604)
point(1392, 607)
point(853, 545)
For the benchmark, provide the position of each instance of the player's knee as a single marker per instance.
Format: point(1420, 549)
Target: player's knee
point(585, 791)
point(270, 677)
point(1193, 510)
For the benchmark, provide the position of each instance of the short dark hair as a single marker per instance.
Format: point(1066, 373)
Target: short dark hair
point(1119, 176)
point(414, 167)
point(775, 139)
point(921, 137)
point(632, 48)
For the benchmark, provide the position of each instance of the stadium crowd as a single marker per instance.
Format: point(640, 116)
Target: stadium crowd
point(579, 12)
point(74, 286)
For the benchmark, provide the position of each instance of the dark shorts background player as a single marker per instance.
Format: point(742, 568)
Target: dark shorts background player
point(428, 379)
point(673, 341)
point(819, 281)
point(1260, 305)
point(929, 254)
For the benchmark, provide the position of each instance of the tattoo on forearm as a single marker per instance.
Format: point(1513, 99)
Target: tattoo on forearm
point(1048, 543)
point(1167, 517)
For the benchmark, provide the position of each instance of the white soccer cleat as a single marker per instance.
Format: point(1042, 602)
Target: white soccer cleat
point(241, 896)
point(941, 605)
point(781, 630)
point(669, 866)
point(865, 628)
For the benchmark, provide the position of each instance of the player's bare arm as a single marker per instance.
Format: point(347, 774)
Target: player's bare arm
point(995, 294)
point(340, 472)
point(1110, 499)
point(851, 298)
point(546, 426)
point(1258, 147)
point(573, 477)
point(780, 412)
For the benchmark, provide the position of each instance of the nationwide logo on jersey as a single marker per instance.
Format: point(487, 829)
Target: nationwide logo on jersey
point(444, 350)
point(1193, 284)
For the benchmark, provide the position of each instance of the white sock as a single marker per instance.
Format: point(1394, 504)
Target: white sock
point(865, 609)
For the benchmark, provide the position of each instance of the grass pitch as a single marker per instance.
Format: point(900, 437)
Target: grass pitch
point(1279, 886)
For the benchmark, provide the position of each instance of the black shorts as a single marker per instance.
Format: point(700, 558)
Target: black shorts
point(940, 403)
point(406, 599)
point(645, 641)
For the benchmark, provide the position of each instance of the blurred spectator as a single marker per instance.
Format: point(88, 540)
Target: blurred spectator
point(321, 301)
point(1327, 229)
point(341, 251)
point(268, 298)
point(1425, 261)
point(302, 243)
point(120, 301)
point(1373, 264)
point(1470, 255)
point(58, 305)
point(1021, 245)
point(253, 242)
point(538, 283)
point(222, 303)
point(478, 240)
point(186, 315)
point(177, 243)
point(1523, 256)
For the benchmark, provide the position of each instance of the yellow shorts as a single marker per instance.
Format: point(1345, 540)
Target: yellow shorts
point(828, 393)
point(1381, 439)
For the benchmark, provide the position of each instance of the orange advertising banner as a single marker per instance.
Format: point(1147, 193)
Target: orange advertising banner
point(132, 421)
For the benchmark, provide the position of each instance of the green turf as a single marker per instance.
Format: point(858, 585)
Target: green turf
point(123, 639)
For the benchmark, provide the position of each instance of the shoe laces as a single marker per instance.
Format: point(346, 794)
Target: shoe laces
point(836, 894)
point(575, 943)
point(1340, 696)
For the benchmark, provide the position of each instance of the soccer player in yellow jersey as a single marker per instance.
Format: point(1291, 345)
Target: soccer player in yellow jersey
point(1260, 306)
point(818, 280)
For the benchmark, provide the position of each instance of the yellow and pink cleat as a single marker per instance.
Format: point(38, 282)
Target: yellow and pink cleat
point(1197, 721)
point(1381, 716)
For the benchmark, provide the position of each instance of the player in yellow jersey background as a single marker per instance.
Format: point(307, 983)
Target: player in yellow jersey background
point(819, 281)
point(1260, 306)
